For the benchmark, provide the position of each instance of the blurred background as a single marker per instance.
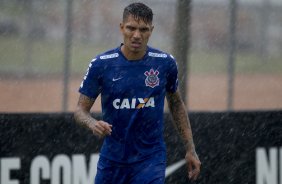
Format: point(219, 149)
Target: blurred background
point(233, 58)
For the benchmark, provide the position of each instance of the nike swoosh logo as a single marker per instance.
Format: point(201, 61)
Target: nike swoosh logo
point(172, 168)
point(116, 79)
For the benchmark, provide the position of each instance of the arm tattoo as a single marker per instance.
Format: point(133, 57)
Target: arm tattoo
point(86, 101)
point(181, 120)
point(82, 114)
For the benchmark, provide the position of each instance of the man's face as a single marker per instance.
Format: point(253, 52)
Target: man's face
point(136, 34)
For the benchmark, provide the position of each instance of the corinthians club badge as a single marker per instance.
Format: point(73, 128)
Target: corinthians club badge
point(152, 79)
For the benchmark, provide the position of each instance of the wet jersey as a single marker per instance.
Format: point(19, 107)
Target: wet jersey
point(132, 97)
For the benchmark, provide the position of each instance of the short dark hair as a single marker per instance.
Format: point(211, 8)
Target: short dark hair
point(138, 11)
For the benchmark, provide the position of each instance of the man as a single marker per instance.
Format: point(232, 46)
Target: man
point(133, 80)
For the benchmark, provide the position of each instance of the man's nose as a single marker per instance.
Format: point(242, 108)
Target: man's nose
point(137, 34)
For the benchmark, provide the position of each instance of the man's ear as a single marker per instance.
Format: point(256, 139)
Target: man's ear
point(152, 28)
point(121, 26)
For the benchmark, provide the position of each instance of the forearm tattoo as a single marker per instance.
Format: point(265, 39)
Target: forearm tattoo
point(181, 119)
point(82, 115)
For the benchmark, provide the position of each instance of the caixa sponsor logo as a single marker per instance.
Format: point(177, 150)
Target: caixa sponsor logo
point(134, 103)
point(268, 165)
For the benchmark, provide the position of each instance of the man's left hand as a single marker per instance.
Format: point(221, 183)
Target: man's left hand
point(194, 164)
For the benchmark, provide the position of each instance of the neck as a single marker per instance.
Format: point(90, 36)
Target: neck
point(132, 55)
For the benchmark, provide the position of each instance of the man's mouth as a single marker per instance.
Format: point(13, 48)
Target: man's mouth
point(136, 44)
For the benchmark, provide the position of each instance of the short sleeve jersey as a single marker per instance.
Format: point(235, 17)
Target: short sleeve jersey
point(132, 97)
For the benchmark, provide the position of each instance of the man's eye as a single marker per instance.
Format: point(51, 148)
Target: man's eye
point(144, 29)
point(130, 28)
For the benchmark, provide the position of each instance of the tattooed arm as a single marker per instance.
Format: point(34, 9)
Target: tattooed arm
point(181, 120)
point(83, 117)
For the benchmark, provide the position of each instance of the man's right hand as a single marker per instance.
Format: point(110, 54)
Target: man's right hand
point(82, 116)
point(100, 128)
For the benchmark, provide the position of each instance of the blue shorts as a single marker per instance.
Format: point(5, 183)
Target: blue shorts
point(149, 171)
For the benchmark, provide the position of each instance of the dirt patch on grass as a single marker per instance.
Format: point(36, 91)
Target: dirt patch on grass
point(205, 93)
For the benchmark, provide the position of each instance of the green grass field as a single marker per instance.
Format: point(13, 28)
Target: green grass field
point(212, 63)
point(47, 57)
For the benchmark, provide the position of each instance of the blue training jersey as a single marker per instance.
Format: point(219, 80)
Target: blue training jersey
point(132, 97)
